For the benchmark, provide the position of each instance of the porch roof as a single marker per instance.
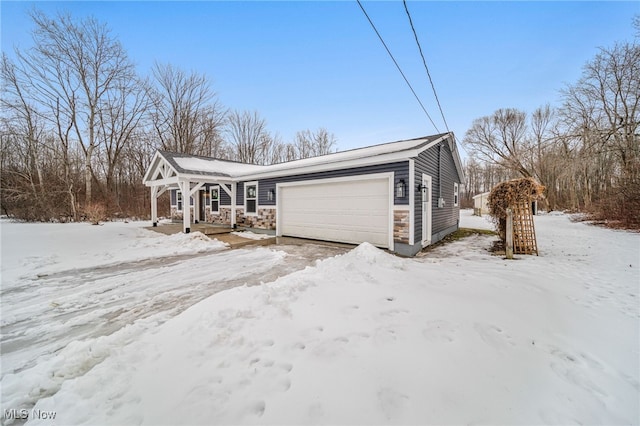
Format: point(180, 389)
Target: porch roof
point(167, 168)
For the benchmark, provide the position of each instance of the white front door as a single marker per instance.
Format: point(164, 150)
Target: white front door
point(426, 210)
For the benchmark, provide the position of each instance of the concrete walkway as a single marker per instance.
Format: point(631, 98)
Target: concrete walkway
point(219, 232)
point(205, 228)
point(223, 233)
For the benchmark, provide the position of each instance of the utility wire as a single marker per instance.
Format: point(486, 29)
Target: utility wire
point(398, 66)
point(424, 62)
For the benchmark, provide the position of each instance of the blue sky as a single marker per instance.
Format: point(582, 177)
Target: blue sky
point(303, 65)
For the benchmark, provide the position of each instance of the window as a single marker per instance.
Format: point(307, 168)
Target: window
point(179, 200)
point(251, 198)
point(215, 199)
point(455, 194)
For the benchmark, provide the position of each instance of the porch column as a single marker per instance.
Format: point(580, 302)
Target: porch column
point(154, 205)
point(185, 188)
point(233, 204)
point(196, 207)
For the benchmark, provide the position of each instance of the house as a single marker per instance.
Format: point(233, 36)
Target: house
point(480, 204)
point(401, 196)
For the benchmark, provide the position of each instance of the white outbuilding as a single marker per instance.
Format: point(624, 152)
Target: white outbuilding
point(480, 205)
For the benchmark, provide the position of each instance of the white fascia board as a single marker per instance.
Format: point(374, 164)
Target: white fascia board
point(171, 181)
point(206, 179)
point(434, 143)
point(457, 160)
point(349, 164)
point(191, 178)
point(153, 166)
point(454, 152)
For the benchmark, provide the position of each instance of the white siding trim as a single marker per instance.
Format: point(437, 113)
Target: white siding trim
point(412, 201)
point(246, 184)
point(427, 225)
point(456, 194)
point(211, 188)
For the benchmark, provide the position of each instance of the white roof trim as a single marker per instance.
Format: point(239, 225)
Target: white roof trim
point(377, 154)
point(347, 164)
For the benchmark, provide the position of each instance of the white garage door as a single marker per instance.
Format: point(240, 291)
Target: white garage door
point(351, 211)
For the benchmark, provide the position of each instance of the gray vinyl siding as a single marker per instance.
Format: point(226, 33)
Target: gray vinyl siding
point(239, 193)
point(225, 199)
point(174, 197)
point(400, 170)
point(446, 218)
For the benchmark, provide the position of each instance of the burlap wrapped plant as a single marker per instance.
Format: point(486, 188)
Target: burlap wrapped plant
point(508, 194)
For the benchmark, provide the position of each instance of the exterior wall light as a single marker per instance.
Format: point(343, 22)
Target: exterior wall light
point(271, 194)
point(401, 189)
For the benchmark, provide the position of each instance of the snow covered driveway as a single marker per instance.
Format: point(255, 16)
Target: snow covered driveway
point(456, 336)
point(66, 288)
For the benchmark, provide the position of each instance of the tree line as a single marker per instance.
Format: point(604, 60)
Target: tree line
point(79, 125)
point(586, 152)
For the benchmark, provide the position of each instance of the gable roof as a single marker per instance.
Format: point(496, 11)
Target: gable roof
point(194, 165)
point(208, 166)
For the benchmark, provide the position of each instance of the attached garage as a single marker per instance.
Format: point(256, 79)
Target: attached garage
point(349, 210)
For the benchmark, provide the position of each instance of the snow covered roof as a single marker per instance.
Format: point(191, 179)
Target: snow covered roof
point(193, 165)
point(196, 165)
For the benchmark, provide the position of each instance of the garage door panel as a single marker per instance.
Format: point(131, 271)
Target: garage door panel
point(349, 211)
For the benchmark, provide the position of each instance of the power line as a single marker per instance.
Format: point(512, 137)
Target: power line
point(425, 63)
point(398, 66)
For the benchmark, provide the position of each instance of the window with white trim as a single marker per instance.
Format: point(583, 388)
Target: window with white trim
point(251, 198)
point(179, 200)
point(215, 198)
point(455, 194)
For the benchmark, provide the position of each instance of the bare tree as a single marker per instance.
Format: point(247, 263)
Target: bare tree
point(311, 144)
point(73, 67)
point(119, 118)
point(601, 116)
point(21, 113)
point(31, 158)
point(501, 139)
point(186, 116)
point(248, 136)
point(324, 142)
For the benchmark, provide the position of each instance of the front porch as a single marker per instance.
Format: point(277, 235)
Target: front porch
point(192, 177)
point(207, 229)
point(219, 232)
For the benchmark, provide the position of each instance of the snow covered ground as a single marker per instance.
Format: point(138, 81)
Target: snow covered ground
point(453, 336)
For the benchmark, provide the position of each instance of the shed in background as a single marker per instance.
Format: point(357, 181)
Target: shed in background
point(480, 205)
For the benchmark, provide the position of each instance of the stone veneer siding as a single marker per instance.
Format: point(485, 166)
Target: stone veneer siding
point(223, 217)
point(177, 215)
point(265, 219)
point(401, 226)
